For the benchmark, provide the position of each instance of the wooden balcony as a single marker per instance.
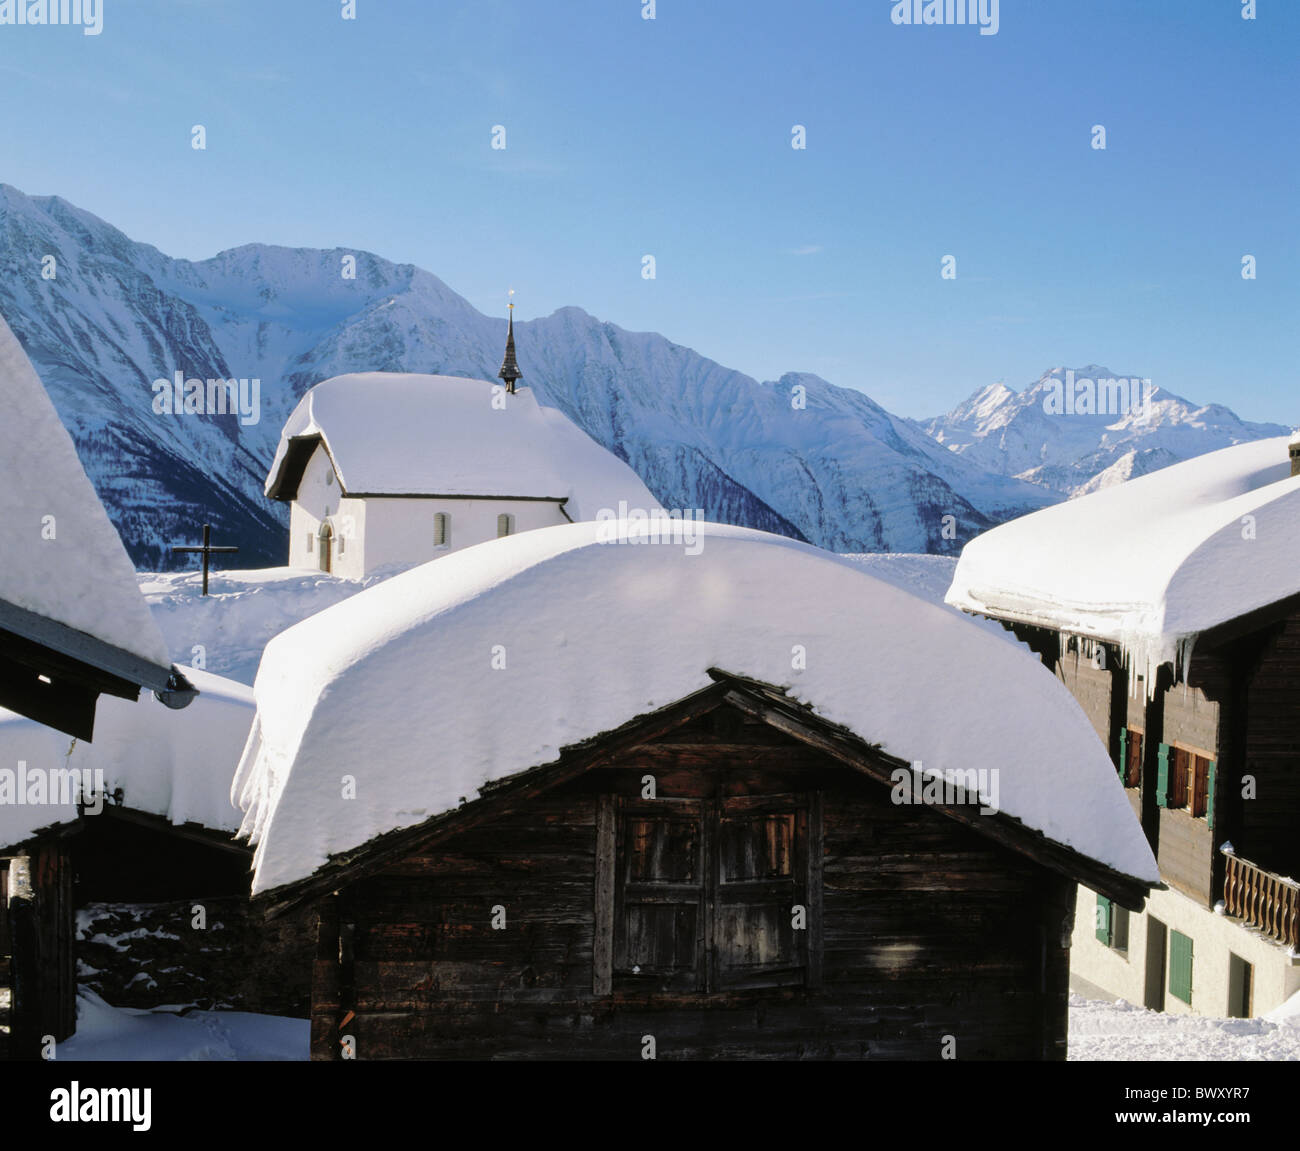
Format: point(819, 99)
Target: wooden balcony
point(1263, 900)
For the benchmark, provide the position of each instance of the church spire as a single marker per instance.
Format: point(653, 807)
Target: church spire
point(510, 366)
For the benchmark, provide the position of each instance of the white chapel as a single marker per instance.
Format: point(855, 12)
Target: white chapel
point(385, 468)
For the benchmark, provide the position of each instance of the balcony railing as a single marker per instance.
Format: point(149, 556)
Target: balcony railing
point(1264, 900)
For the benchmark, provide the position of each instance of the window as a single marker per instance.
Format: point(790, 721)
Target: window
point(442, 530)
point(709, 894)
point(325, 536)
point(1180, 966)
point(1186, 782)
point(1180, 762)
point(1131, 748)
point(1200, 772)
point(1112, 924)
point(1240, 980)
point(311, 541)
point(1119, 929)
point(505, 525)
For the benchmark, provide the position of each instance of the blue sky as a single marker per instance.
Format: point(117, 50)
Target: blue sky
point(672, 137)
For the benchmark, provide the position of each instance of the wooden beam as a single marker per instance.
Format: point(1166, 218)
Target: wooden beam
point(195, 832)
point(816, 860)
point(602, 975)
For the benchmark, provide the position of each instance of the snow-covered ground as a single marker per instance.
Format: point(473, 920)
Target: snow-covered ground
point(116, 1034)
point(229, 627)
point(926, 576)
point(1116, 1031)
point(1098, 1032)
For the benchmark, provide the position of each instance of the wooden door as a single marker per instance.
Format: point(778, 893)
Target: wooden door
point(760, 894)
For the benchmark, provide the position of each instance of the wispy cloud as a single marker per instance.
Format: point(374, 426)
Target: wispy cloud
point(805, 250)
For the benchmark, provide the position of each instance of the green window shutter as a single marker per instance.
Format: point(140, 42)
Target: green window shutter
point(1105, 914)
point(1123, 752)
point(1209, 796)
point(1162, 777)
point(1180, 966)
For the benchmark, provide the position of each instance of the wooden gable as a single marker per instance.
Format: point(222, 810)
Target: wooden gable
point(717, 883)
point(762, 703)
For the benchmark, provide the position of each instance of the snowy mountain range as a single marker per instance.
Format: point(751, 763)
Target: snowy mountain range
point(103, 317)
point(1022, 434)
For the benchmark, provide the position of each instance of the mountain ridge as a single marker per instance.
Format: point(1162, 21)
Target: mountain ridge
point(796, 455)
point(1013, 433)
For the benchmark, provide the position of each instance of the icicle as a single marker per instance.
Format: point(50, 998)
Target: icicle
point(1186, 644)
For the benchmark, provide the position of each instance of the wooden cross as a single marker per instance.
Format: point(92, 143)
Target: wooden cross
point(207, 549)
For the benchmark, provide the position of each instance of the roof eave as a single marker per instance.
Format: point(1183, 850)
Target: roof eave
point(282, 484)
point(88, 649)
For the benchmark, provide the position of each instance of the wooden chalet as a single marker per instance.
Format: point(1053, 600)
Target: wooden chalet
point(730, 875)
point(119, 857)
point(105, 893)
point(769, 902)
point(1209, 751)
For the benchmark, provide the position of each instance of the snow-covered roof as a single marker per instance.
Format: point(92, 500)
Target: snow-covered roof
point(1152, 563)
point(491, 660)
point(174, 763)
point(397, 434)
point(60, 557)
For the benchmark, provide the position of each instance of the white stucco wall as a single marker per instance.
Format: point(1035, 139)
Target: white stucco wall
point(380, 531)
point(401, 531)
point(1275, 977)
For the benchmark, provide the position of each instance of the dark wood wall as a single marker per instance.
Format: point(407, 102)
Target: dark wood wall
point(6, 965)
point(1239, 709)
point(52, 877)
point(1196, 711)
point(1196, 716)
point(1265, 829)
point(40, 972)
point(1091, 687)
point(928, 931)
